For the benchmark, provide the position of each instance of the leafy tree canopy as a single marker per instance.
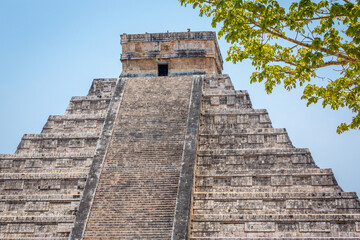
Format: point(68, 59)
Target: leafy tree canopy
point(291, 42)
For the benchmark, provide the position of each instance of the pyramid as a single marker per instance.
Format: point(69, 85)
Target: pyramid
point(169, 150)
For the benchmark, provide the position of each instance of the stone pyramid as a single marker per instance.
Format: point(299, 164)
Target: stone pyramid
point(169, 150)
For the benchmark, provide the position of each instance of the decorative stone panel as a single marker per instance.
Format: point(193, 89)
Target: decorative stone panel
point(314, 227)
point(14, 185)
point(259, 227)
point(37, 206)
point(241, 181)
point(281, 180)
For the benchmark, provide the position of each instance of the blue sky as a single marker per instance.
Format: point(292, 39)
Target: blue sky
point(51, 51)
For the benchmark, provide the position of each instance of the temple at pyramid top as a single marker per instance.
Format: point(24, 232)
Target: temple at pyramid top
point(170, 54)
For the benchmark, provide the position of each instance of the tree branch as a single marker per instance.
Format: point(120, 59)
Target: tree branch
point(348, 2)
point(326, 64)
point(318, 18)
point(339, 55)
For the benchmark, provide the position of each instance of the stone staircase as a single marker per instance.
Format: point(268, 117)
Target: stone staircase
point(136, 194)
point(252, 183)
point(42, 183)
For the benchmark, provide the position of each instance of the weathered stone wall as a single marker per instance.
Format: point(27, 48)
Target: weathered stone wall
point(251, 183)
point(42, 183)
point(177, 66)
point(136, 195)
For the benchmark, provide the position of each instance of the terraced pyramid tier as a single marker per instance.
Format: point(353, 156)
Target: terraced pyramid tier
point(252, 183)
point(42, 183)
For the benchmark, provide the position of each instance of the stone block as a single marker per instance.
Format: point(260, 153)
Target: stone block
point(81, 184)
point(241, 139)
point(271, 205)
point(24, 144)
point(300, 159)
point(208, 119)
point(64, 227)
point(254, 120)
point(207, 226)
point(37, 206)
point(91, 123)
point(264, 118)
point(226, 140)
point(220, 119)
point(287, 227)
point(250, 204)
point(231, 100)
point(261, 181)
point(64, 163)
point(322, 180)
point(266, 159)
point(241, 181)
point(357, 226)
point(103, 104)
point(235, 160)
point(76, 143)
point(3, 230)
point(49, 143)
point(203, 160)
point(282, 138)
point(204, 204)
point(33, 163)
point(256, 139)
point(205, 181)
point(347, 203)
point(298, 204)
point(324, 204)
point(2, 206)
point(228, 82)
point(281, 180)
point(85, 105)
point(14, 207)
point(344, 227)
point(50, 184)
point(301, 180)
point(5, 163)
point(21, 228)
point(70, 124)
point(14, 185)
point(223, 100)
point(214, 101)
point(271, 139)
point(231, 119)
point(242, 118)
point(314, 227)
point(259, 227)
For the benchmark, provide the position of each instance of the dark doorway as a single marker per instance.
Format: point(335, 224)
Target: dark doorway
point(163, 69)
